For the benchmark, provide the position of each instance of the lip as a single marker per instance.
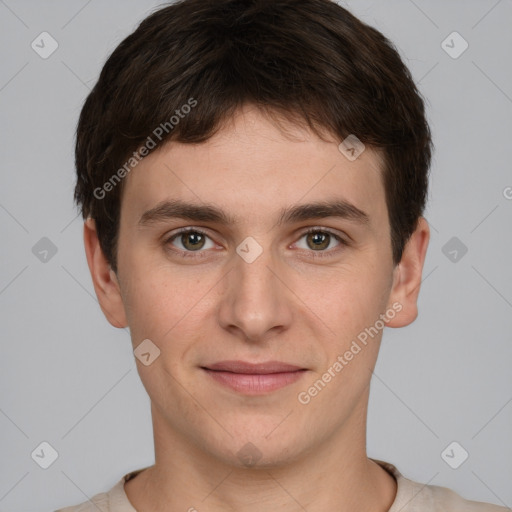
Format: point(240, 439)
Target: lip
point(254, 379)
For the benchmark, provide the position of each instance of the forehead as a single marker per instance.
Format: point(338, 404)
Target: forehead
point(252, 169)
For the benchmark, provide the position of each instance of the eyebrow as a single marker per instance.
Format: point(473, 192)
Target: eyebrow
point(172, 209)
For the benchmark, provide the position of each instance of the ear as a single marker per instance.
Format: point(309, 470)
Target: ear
point(105, 281)
point(407, 276)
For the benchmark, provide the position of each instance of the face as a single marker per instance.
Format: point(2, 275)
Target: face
point(259, 265)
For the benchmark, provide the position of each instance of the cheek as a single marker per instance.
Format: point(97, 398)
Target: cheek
point(146, 289)
point(351, 308)
point(167, 309)
point(150, 307)
point(352, 299)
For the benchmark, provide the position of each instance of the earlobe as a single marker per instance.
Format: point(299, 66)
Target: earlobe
point(408, 276)
point(104, 279)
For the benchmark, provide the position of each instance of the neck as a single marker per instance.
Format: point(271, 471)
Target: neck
point(185, 478)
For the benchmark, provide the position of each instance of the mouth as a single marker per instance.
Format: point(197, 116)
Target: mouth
point(254, 379)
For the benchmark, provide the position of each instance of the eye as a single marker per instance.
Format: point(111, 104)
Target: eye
point(319, 240)
point(190, 240)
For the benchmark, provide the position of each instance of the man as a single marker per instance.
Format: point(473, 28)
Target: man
point(253, 175)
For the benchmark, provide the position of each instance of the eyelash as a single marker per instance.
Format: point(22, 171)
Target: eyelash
point(203, 254)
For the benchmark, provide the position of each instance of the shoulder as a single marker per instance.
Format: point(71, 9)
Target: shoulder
point(114, 500)
point(97, 502)
point(416, 497)
point(446, 499)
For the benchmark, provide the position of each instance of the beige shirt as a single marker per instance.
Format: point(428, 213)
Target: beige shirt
point(410, 497)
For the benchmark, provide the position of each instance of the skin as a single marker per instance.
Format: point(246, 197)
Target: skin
point(287, 305)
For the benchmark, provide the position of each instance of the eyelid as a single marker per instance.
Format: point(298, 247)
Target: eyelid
point(186, 229)
point(316, 229)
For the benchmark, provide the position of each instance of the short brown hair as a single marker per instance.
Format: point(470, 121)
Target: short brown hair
point(310, 60)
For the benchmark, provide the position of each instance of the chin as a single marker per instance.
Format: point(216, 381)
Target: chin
point(254, 450)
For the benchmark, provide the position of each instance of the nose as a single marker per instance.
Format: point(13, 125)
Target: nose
point(256, 304)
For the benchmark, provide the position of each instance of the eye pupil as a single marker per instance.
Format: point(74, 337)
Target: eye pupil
point(319, 240)
point(192, 240)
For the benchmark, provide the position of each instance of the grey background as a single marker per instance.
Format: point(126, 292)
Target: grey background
point(67, 377)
